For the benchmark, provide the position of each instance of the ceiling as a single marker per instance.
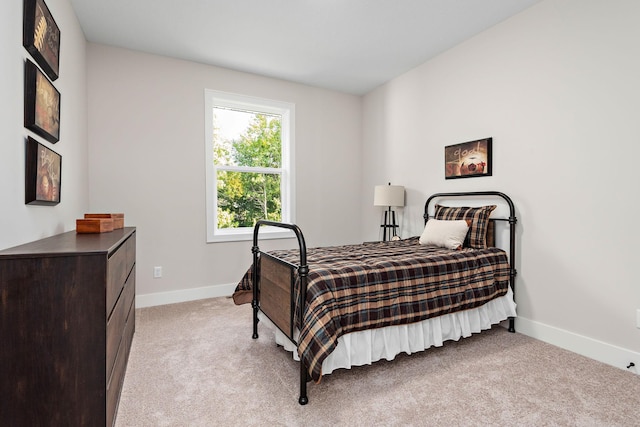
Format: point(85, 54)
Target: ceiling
point(351, 46)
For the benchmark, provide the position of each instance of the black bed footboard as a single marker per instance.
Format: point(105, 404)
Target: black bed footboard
point(302, 273)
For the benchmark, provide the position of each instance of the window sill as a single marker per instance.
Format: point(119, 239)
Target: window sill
point(266, 233)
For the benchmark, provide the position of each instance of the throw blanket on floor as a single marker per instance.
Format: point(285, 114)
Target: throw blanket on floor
point(357, 287)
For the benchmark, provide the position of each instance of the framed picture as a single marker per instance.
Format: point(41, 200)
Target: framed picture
point(43, 174)
point(41, 36)
point(468, 159)
point(41, 104)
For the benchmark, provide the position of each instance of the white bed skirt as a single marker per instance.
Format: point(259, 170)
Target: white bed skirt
point(365, 347)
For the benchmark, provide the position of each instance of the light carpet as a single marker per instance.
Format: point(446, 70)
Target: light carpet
point(195, 364)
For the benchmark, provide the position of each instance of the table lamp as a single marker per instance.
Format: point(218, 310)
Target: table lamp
point(389, 196)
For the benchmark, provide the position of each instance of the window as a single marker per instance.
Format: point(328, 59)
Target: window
point(249, 149)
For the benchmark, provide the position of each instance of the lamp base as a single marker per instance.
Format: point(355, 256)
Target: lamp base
point(389, 227)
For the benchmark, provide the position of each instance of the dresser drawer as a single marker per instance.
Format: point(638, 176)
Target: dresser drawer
point(117, 321)
point(130, 294)
point(129, 329)
point(114, 384)
point(115, 381)
point(130, 248)
point(116, 275)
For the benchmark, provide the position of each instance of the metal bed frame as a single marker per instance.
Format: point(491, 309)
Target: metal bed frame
point(287, 324)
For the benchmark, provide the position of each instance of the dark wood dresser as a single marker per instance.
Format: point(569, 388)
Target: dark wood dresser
point(67, 318)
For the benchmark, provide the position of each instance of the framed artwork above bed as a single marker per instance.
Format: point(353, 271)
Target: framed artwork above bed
point(469, 159)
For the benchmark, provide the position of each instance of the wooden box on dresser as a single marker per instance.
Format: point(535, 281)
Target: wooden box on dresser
point(67, 318)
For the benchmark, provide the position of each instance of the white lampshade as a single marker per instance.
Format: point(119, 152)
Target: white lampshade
point(388, 195)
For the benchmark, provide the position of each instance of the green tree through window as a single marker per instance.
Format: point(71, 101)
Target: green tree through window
point(245, 196)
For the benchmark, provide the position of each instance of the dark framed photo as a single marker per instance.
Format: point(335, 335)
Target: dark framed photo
point(469, 159)
point(41, 36)
point(41, 104)
point(43, 174)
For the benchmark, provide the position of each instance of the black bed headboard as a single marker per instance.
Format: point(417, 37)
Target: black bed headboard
point(512, 210)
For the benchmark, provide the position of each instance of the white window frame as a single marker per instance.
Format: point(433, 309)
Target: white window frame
point(286, 110)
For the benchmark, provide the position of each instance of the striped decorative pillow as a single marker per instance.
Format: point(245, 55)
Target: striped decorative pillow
point(479, 216)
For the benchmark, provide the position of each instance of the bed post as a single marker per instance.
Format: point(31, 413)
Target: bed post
point(255, 304)
point(303, 272)
point(512, 251)
point(512, 258)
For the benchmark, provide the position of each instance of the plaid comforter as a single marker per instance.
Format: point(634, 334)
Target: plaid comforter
point(357, 287)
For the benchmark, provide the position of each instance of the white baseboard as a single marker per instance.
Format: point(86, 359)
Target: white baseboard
point(585, 346)
point(172, 297)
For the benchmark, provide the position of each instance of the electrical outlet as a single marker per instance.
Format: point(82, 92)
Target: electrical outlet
point(157, 272)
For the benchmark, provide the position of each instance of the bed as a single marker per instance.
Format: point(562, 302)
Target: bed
point(343, 306)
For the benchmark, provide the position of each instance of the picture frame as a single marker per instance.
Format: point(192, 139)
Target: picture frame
point(41, 36)
point(43, 174)
point(468, 159)
point(41, 104)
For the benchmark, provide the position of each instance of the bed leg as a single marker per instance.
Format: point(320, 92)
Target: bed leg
point(303, 399)
point(512, 327)
point(255, 302)
point(255, 320)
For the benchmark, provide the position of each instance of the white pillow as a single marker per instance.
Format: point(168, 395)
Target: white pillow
point(443, 233)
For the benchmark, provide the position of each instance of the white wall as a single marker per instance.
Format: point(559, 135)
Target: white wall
point(146, 128)
point(557, 88)
point(22, 223)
